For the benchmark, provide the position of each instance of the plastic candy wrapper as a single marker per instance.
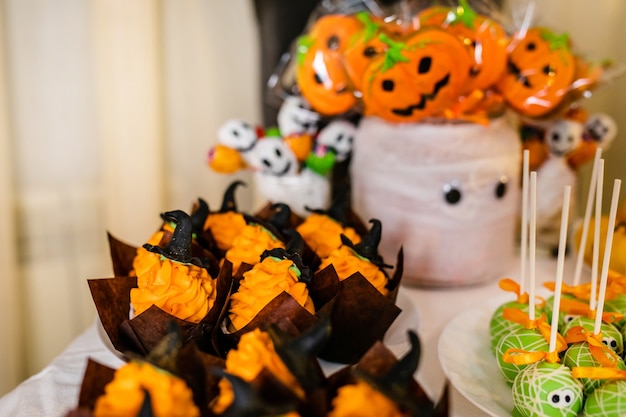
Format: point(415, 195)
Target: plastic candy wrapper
point(418, 61)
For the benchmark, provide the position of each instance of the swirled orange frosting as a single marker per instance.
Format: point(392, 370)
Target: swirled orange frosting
point(183, 290)
point(362, 400)
point(347, 262)
point(262, 284)
point(254, 352)
point(248, 246)
point(124, 395)
point(322, 233)
point(143, 259)
point(225, 227)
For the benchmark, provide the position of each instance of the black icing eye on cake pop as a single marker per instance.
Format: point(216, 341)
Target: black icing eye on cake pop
point(179, 247)
point(368, 246)
point(293, 251)
point(228, 202)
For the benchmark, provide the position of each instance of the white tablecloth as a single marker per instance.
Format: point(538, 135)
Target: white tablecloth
point(54, 390)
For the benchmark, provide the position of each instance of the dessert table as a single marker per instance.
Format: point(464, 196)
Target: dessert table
point(54, 390)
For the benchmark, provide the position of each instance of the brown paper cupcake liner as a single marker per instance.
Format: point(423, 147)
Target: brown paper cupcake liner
point(141, 333)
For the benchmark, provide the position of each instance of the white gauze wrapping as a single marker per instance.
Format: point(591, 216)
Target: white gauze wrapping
point(399, 173)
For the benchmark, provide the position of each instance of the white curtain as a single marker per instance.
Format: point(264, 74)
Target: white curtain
point(107, 111)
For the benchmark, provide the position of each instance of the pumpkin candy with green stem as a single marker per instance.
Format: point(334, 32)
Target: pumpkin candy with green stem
point(485, 39)
point(174, 281)
point(417, 78)
point(258, 236)
point(320, 72)
point(362, 257)
point(280, 270)
point(226, 223)
point(540, 72)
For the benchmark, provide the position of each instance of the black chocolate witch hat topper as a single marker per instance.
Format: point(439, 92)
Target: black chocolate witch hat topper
point(228, 203)
point(338, 209)
point(179, 247)
point(249, 402)
point(298, 353)
point(292, 251)
point(279, 220)
point(199, 215)
point(368, 246)
point(396, 382)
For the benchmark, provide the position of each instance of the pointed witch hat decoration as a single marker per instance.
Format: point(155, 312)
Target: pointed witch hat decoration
point(368, 246)
point(179, 247)
point(293, 251)
point(398, 383)
point(298, 353)
point(228, 202)
point(199, 215)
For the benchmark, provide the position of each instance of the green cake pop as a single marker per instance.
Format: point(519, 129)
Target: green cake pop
point(608, 400)
point(519, 339)
point(499, 325)
point(588, 350)
point(545, 389)
point(564, 316)
point(617, 304)
point(611, 336)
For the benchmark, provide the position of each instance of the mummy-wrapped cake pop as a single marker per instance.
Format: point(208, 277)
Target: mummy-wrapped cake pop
point(545, 389)
point(609, 399)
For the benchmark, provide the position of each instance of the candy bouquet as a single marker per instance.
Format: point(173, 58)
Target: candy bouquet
point(444, 96)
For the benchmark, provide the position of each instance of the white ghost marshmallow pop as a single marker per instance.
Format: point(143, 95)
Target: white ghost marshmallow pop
point(272, 156)
point(562, 136)
point(295, 117)
point(338, 136)
point(238, 135)
point(600, 127)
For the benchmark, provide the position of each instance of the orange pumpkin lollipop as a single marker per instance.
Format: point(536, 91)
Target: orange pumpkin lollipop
point(540, 72)
point(320, 73)
point(417, 78)
point(485, 39)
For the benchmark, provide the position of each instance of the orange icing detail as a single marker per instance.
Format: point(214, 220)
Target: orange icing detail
point(601, 352)
point(254, 352)
point(351, 398)
point(346, 263)
point(580, 308)
point(322, 234)
point(124, 395)
point(260, 285)
point(182, 290)
point(250, 244)
point(598, 373)
point(225, 227)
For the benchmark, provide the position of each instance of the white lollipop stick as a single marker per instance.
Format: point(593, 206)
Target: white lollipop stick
point(593, 293)
point(556, 306)
point(533, 243)
point(524, 233)
point(585, 232)
point(607, 255)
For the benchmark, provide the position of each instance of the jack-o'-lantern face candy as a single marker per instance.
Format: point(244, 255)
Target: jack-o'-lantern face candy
point(540, 72)
point(417, 78)
point(320, 72)
point(485, 39)
point(363, 47)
